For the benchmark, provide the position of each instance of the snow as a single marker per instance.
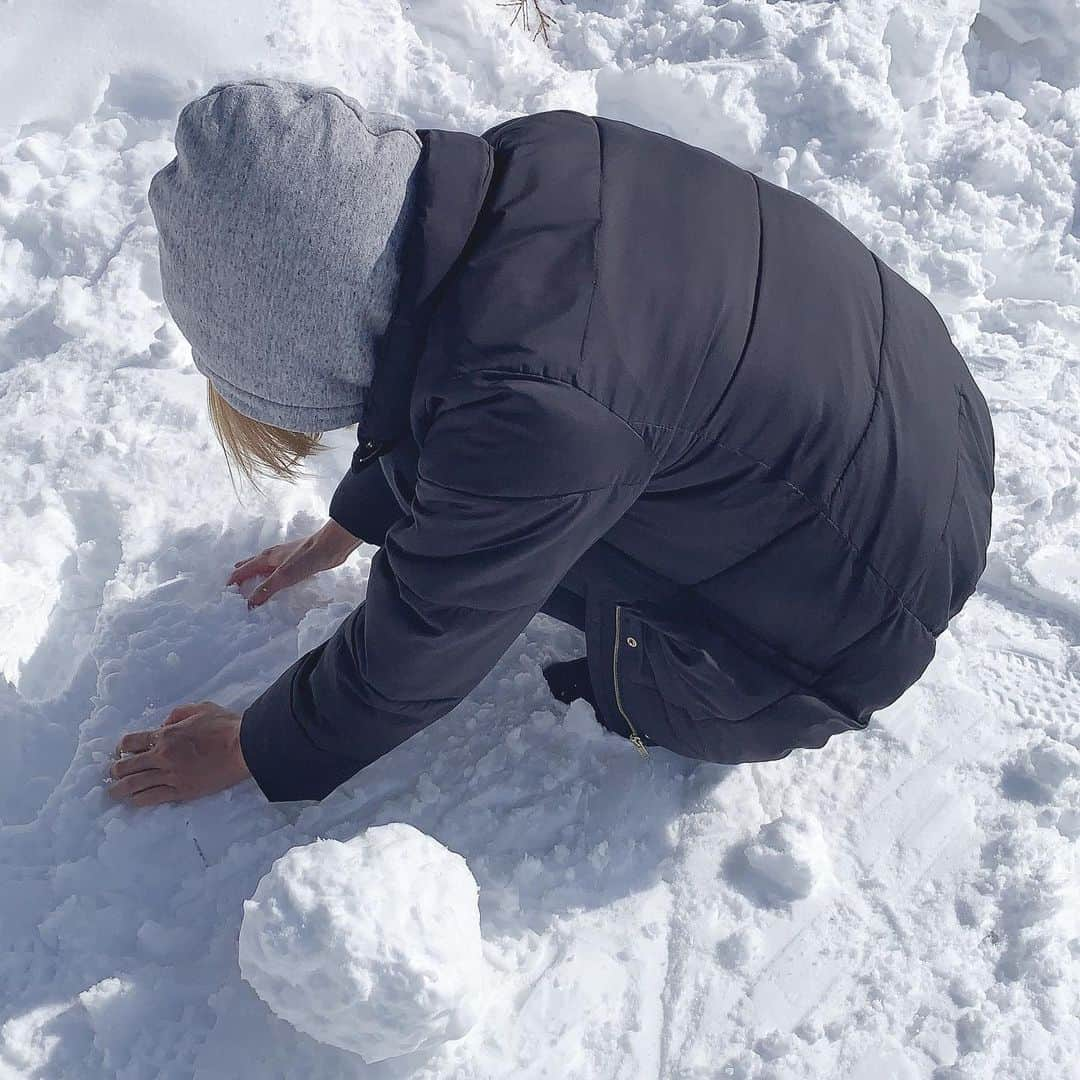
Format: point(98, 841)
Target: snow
point(372, 945)
point(786, 860)
point(902, 903)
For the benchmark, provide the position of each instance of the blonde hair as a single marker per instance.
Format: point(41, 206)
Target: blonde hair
point(255, 449)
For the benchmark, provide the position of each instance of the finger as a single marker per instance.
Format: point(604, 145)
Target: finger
point(134, 763)
point(259, 564)
point(155, 796)
point(236, 576)
point(278, 580)
point(129, 786)
point(182, 712)
point(248, 567)
point(135, 742)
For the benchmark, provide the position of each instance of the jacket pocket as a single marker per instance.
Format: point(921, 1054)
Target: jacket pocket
point(691, 687)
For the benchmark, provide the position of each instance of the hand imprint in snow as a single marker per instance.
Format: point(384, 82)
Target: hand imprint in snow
point(785, 862)
point(372, 945)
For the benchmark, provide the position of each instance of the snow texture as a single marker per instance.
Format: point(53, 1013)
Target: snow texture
point(901, 904)
point(372, 945)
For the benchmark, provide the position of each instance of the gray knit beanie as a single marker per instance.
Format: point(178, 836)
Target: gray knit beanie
point(281, 223)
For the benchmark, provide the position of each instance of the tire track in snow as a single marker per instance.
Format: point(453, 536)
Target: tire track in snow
point(916, 821)
point(675, 953)
point(776, 991)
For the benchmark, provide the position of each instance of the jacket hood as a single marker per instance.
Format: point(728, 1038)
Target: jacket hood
point(281, 226)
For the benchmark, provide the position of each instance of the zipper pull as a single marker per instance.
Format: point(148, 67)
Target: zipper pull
point(367, 451)
point(638, 745)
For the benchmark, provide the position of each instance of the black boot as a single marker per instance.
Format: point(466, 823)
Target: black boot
point(569, 680)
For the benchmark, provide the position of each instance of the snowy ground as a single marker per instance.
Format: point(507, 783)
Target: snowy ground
point(902, 904)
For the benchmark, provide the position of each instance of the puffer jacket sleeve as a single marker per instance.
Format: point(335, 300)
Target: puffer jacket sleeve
point(364, 505)
point(517, 477)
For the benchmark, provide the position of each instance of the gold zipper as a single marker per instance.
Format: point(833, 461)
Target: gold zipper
point(635, 739)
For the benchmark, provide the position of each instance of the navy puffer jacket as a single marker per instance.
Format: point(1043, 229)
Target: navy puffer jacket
point(606, 336)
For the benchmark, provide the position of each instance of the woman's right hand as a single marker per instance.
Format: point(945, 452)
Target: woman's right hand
point(288, 564)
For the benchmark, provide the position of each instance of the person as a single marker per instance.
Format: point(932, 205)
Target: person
point(595, 372)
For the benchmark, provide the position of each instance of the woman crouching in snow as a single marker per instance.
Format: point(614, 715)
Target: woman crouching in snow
point(596, 372)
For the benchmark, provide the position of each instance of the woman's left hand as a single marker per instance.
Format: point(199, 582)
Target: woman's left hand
point(195, 752)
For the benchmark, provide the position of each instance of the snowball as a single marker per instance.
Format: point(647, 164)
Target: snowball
point(787, 859)
point(372, 945)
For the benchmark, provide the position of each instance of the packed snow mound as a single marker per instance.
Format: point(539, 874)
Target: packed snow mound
point(787, 860)
point(372, 945)
point(1027, 41)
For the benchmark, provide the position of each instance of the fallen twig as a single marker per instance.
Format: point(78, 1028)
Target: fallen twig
point(529, 10)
